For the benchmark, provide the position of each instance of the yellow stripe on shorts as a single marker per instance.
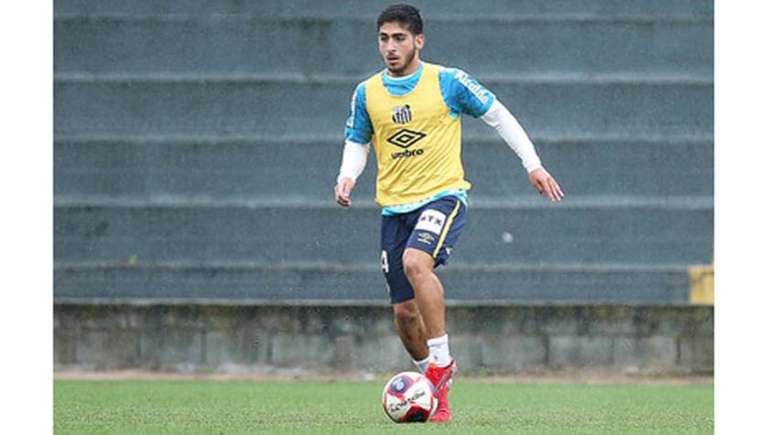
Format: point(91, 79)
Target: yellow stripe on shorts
point(446, 227)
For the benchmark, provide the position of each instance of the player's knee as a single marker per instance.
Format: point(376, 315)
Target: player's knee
point(406, 313)
point(416, 263)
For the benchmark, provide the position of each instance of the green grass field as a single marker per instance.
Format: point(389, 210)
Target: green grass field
point(213, 407)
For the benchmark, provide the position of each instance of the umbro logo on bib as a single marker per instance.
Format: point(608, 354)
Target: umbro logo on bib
point(401, 114)
point(405, 138)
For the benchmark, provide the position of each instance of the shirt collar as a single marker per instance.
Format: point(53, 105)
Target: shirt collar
point(388, 79)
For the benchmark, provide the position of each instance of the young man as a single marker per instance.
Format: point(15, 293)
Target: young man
point(411, 113)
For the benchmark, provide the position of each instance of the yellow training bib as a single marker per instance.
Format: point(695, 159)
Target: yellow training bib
point(418, 143)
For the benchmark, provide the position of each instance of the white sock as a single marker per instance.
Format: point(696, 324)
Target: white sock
point(439, 350)
point(422, 365)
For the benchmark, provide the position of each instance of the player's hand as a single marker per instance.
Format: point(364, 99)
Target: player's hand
point(546, 185)
point(343, 190)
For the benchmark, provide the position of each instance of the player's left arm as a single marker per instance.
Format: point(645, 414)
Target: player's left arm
point(500, 118)
point(463, 94)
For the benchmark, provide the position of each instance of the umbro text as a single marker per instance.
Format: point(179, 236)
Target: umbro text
point(407, 153)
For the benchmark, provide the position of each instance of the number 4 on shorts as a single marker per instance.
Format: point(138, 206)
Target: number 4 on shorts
point(385, 264)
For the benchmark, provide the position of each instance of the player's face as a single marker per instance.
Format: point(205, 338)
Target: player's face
point(399, 48)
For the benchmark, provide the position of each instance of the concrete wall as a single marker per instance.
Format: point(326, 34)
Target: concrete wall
point(504, 339)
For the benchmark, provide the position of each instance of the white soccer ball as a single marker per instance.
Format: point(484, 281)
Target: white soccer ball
point(409, 397)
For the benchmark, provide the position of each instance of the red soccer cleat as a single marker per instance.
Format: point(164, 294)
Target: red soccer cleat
point(441, 378)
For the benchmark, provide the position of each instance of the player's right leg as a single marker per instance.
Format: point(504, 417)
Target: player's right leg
point(411, 330)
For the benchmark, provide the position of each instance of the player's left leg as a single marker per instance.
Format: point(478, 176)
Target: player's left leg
point(437, 229)
point(408, 319)
point(428, 292)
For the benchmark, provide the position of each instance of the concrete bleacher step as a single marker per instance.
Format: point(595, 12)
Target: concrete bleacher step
point(253, 166)
point(364, 283)
point(197, 142)
point(480, 45)
point(373, 7)
point(594, 230)
point(198, 105)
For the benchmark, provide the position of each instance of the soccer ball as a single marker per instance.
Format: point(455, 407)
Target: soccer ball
point(409, 397)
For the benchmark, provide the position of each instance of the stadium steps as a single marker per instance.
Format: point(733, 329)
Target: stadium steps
point(162, 179)
point(232, 44)
point(223, 167)
point(170, 182)
point(316, 283)
point(161, 105)
point(658, 232)
point(371, 8)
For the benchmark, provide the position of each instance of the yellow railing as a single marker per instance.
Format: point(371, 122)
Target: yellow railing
point(702, 284)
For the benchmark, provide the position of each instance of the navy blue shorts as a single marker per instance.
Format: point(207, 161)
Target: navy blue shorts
point(433, 228)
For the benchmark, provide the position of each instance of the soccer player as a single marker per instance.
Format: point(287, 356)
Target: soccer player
point(410, 112)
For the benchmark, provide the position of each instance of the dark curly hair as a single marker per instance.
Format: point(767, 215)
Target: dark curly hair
point(404, 14)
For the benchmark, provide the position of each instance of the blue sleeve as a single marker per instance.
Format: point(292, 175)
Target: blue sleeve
point(464, 94)
point(359, 128)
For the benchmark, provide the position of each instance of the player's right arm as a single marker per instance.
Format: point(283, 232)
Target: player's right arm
point(357, 134)
point(353, 162)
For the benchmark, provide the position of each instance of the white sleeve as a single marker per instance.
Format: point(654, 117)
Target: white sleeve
point(514, 135)
point(353, 160)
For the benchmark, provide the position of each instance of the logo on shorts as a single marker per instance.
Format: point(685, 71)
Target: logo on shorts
point(431, 221)
point(401, 114)
point(426, 238)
